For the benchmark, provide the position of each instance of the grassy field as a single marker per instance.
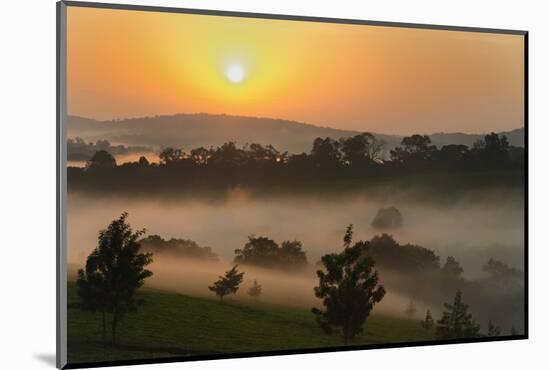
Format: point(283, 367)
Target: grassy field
point(170, 324)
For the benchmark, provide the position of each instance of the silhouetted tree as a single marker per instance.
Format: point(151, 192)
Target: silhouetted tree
point(452, 269)
point(291, 255)
point(457, 322)
point(200, 156)
point(387, 218)
point(228, 154)
point(260, 153)
point(451, 155)
point(428, 321)
point(501, 272)
point(227, 284)
point(325, 152)
point(114, 271)
point(171, 155)
point(415, 148)
point(349, 288)
point(492, 150)
point(178, 248)
point(143, 162)
point(262, 251)
point(255, 290)
point(101, 160)
point(493, 330)
point(361, 149)
point(410, 311)
point(404, 258)
point(259, 251)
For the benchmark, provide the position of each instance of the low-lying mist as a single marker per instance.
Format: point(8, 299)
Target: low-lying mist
point(192, 277)
point(472, 228)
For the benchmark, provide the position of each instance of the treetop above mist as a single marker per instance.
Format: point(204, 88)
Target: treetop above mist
point(177, 247)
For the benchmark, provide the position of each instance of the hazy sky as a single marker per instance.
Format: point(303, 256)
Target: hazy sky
point(381, 79)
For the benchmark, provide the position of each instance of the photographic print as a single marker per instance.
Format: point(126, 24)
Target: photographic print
point(239, 185)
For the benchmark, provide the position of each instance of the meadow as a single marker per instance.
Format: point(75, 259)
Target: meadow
point(169, 324)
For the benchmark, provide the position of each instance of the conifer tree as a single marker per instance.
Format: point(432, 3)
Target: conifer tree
point(255, 290)
point(348, 286)
point(456, 321)
point(428, 322)
point(227, 284)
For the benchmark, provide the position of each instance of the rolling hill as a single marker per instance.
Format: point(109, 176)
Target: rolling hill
point(170, 324)
point(193, 130)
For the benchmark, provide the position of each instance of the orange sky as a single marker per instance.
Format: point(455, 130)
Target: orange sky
point(382, 79)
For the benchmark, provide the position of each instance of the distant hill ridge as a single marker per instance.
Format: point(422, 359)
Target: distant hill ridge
point(202, 129)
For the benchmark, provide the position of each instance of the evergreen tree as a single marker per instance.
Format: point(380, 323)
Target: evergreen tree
point(255, 290)
point(428, 322)
point(114, 271)
point(456, 321)
point(227, 284)
point(349, 288)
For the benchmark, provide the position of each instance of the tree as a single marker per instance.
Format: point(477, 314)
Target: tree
point(457, 322)
point(452, 269)
point(227, 284)
point(171, 155)
point(101, 160)
point(325, 152)
point(501, 272)
point(200, 155)
point(452, 154)
point(348, 286)
point(389, 254)
point(265, 252)
point(255, 290)
point(410, 311)
point(493, 330)
point(387, 218)
point(228, 154)
point(493, 149)
point(259, 251)
point(143, 161)
point(291, 255)
point(428, 322)
point(361, 149)
point(114, 271)
point(513, 331)
point(415, 148)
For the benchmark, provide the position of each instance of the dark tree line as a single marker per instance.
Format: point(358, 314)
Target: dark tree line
point(359, 157)
point(80, 150)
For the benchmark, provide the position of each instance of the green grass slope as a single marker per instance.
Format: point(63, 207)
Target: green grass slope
point(177, 325)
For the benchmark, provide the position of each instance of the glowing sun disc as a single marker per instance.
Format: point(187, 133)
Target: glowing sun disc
point(235, 73)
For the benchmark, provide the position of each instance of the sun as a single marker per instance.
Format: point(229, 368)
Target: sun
point(235, 73)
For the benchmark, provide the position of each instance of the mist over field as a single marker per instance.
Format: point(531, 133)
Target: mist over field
point(473, 228)
point(470, 229)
